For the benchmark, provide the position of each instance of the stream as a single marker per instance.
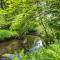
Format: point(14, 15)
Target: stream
point(29, 44)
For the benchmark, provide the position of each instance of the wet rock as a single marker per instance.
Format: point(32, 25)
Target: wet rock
point(37, 45)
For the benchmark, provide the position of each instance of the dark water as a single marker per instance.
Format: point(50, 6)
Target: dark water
point(9, 46)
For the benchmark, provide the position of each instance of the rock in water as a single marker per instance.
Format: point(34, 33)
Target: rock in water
point(39, 44)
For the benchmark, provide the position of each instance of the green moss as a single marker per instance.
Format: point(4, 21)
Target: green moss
point(7, 34)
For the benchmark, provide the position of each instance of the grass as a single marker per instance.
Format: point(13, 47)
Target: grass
point(7, 34)
point(51, 53)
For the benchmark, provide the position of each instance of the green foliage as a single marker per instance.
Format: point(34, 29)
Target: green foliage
point(25, 16)
point(14, 58)
point(7, 34)
point(51, 53)
point(23, 24)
